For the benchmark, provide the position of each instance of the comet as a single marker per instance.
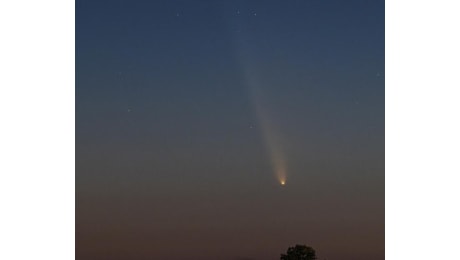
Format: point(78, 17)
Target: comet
point(263, 106)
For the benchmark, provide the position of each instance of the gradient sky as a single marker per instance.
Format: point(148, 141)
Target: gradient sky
point(188, 111)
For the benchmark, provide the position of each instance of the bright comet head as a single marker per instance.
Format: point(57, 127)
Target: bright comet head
point(283, 183)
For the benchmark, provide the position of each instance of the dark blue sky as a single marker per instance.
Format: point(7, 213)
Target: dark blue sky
point(187, 110)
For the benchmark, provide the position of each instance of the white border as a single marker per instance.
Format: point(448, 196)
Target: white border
point(422, 129)
point(37, 130)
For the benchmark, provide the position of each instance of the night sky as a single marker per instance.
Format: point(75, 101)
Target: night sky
point(190, 115)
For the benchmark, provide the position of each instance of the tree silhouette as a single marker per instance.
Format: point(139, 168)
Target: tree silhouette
point(299, 252)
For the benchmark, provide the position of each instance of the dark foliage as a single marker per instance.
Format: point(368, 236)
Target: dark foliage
point(299, 252)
